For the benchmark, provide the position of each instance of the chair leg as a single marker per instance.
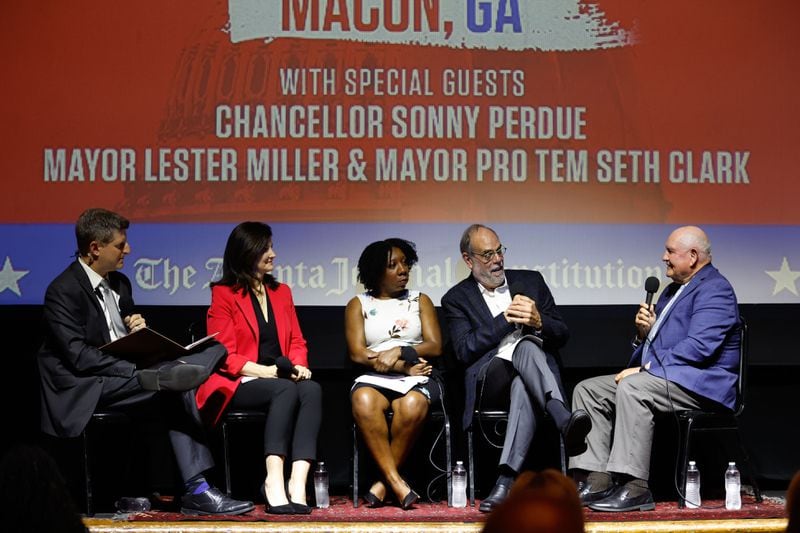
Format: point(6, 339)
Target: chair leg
point(87, 474)
point(449, 467)
point(563, 453)
point(471, 470)
point(226, 458)
point(685, 439)
point(748, 467)
point(355, 465)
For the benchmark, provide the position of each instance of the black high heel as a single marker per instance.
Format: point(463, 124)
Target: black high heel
point(300, 508)
point(373, 501)
point(409, 500)
point(287, 508)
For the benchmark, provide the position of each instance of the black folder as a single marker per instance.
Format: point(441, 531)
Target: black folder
point(146, 347)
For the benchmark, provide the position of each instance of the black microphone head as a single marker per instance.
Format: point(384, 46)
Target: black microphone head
point(651, 284)
point(517, 288)
point(285, 366)
point(650, 287)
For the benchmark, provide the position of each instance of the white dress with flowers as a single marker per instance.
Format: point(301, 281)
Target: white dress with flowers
point(389, 323)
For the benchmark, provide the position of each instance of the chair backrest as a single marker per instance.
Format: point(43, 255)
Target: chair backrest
point(742, 381)
point(197, 330)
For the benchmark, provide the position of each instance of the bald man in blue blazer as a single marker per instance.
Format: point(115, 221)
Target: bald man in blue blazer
point(686, 356)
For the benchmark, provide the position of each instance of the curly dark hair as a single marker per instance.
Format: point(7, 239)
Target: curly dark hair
point(375, 257)
point(246, 244)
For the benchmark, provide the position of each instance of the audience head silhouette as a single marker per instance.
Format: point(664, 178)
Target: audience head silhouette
point(35, 495)
point(543, 502)
point(793, 505)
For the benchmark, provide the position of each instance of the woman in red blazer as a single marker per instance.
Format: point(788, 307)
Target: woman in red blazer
point(266, 366)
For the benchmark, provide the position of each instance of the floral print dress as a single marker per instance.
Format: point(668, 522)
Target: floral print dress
point(389, 323)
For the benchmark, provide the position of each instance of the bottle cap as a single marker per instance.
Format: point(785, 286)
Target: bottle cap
point(691, 463)
point(732, 463)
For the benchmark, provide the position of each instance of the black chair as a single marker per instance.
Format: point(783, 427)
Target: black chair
point(697, 421)
point(197, 330)
point(101, 418)
point(437, 413)
point(233, 417)
point(498, 419)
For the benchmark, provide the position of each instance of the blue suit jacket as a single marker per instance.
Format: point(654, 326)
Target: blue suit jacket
point(697, 343)
point(476, 334)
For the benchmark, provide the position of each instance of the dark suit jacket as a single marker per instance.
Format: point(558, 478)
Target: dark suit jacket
point(698, 341)
point(476, 334)
point(71, 366)
point(232, 314)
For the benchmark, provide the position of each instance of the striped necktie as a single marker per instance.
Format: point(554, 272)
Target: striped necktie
point(110, 302)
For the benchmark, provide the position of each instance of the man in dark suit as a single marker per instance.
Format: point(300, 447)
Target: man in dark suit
point(89, 305)
point(686, 356)
point(506, 329)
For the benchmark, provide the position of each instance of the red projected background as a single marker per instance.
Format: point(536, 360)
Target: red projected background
point(179, 111)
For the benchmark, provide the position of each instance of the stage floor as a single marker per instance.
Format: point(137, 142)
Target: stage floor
point(767, 516)
point(699, 526)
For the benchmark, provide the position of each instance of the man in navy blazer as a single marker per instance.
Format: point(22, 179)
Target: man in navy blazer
point(506, 330)
point(686, 356)
point(89, 305)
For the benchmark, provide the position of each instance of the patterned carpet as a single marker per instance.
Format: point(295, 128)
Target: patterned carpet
point(342, 510)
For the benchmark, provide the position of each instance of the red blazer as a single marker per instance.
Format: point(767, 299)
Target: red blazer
point(234, 317)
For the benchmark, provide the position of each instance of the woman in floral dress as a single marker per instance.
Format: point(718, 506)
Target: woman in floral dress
point(391, 331)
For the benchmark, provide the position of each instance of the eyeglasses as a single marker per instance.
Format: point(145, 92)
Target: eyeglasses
point(488, 256)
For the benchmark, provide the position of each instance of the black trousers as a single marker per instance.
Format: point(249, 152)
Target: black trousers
point(294, 414)
point(177, 409)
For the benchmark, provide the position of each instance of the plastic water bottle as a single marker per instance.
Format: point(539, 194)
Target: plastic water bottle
point(459, 485)
point(733, 488)
point(321, 486)
point(692, 486)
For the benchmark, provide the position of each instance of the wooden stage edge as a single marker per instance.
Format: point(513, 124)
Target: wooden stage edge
point(101, 525)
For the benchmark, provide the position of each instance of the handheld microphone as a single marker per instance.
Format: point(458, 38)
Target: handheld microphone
point(285, 366)
point(651, 285)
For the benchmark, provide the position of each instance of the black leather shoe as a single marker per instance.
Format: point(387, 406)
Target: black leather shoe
point(173, 376)
point(496, 497)
point(213, 501)
point(588, 494)
point(578, 427)
point(621, 500)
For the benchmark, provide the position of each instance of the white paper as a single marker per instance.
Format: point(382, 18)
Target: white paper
point(397, 383)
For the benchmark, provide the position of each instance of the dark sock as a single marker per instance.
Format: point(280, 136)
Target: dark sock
point(506, 475)
point(637, 487)
point(559, 412)
point(579, 475)
point(505, 480)
point(599, 481)
point(197, 485)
